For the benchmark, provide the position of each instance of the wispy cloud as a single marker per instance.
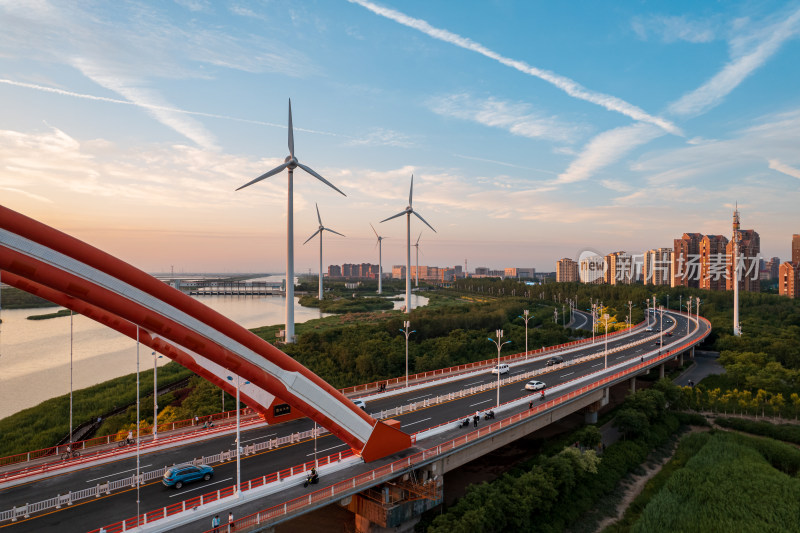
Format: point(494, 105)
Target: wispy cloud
point(503, 163)
point(516, 118)
point(671, 29)
point(565, 84)
point(72, 94)
point(751, 50)
point(382, 137)
point(607, 148)
point(774, 164)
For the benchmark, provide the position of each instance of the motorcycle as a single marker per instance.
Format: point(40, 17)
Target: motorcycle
point(488, 415)
point(464, 424)
point(311, 479)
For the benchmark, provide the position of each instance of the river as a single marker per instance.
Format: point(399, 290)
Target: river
point(35, 354)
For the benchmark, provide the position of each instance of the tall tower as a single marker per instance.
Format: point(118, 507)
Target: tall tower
point(737, 330)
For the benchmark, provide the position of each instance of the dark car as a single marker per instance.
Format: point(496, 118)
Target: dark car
point(177, 476)
point(555, 360)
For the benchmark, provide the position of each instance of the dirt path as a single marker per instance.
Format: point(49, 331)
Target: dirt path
point(635, 484)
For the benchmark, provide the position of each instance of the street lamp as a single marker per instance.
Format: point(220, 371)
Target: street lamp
point(500, 345)
point(594, 323)
point(155, 395)
point(661, 330)
point(527, 317)
point(630, 313)
point(406, 325)
point(605, 317)
point(238, 441)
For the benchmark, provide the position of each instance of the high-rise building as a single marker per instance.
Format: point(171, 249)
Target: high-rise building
point(789, 279)
point(658, 266)
point(619, 269)
point(519, 273)
point(334, 271)
point(686, 260)
point(796, 249)
point(772, 267)
point(713, 262)
point(398, 271)
point(481, 272)
point(748, 262)
point(567, 270)
point(592, 269)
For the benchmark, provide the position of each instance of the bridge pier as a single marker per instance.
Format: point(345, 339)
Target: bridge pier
point(591, 410)
point(660, 371)
point(633, 384)
point(397, 505)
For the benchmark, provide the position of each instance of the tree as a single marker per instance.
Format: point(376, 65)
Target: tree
point(631, 423)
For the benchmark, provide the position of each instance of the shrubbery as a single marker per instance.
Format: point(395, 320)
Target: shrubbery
point(783, 432)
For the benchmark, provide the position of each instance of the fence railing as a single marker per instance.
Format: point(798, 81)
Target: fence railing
point(342, 488)
point(83, 446)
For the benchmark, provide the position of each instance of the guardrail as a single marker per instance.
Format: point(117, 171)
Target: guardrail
point(95, 442)
point(110, 486)
point(485, 363)
point(82, 446)
point(385, 472)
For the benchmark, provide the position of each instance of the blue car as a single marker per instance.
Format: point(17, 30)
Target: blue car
point(177, 476)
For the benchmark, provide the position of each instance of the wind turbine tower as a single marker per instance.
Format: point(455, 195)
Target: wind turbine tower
point(408, 211)
point(380, 260)
point(416, 272)
point(320, 230)
point(290, 163)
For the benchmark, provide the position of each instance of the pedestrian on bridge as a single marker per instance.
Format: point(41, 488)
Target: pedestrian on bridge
point(231, 525)
point(475, 419)
point(215, 524)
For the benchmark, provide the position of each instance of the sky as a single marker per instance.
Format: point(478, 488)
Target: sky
point(533, 130)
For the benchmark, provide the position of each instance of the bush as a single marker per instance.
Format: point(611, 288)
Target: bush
point(783, 432)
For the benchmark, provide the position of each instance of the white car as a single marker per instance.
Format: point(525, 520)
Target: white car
point(360, 403)
point(534, 385)
point(500, 369)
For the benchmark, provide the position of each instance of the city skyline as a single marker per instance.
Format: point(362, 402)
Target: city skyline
point(533, 132)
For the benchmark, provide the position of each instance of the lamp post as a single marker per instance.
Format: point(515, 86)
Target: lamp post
point(661, 330)
point(594, 323)
point(155, 395)
point(406, 325)
point(606, 317)
point(630, 313)
point(527, 317)
point(500, 345)
point(238, 436)
point(70, 379)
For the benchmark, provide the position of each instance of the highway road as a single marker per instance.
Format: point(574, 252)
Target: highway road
point(92, 513)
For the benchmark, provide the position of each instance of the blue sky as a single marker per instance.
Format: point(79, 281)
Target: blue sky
point(534, 130)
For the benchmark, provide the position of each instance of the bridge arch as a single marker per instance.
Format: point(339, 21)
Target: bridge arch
point(44, 260)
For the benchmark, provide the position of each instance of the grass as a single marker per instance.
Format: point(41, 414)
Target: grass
point(57, 314)
point(731, 483)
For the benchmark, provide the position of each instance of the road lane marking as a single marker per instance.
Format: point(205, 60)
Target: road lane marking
point(474, 404)
point(471, 384)
point(598, 364)
point(203, 486)
point(327, 449)
point(565, 375)
point(417, 422)
point(257, 438)
point(418, 397)
point(115, 473)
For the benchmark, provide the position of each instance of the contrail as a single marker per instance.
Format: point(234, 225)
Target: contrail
point(572, 88)
point(62, 92)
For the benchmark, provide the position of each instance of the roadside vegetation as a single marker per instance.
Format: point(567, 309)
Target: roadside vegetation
point(13, 298)
point(57, 314)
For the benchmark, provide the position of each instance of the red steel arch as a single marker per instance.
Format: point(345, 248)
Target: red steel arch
point(44, 260)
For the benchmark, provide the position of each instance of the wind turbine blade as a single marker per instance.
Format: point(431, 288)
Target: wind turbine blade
point(411, 189)
point(401, 213)
point(422, 219)
point(313, 235)
point(318, 217)
point(420, 235)
point(291, 131)
point(264, 176)
point(373, 230)
point(332, 231)
point(320, 178)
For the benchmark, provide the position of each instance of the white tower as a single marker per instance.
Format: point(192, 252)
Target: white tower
point(737, 330)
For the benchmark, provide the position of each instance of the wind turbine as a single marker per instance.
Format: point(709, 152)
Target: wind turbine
point(380, 261)
point(290, 163)
point(408, 211)
point(320, 230)
point(416, 281)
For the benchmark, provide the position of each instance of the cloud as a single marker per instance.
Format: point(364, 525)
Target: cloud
point(567, 85)
point(774, 164)
point(128, 46)
point(751, 50)
point(607, 148)
point(516, 118)
point(671, 29)
point(382, 137)
point(502, 163)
